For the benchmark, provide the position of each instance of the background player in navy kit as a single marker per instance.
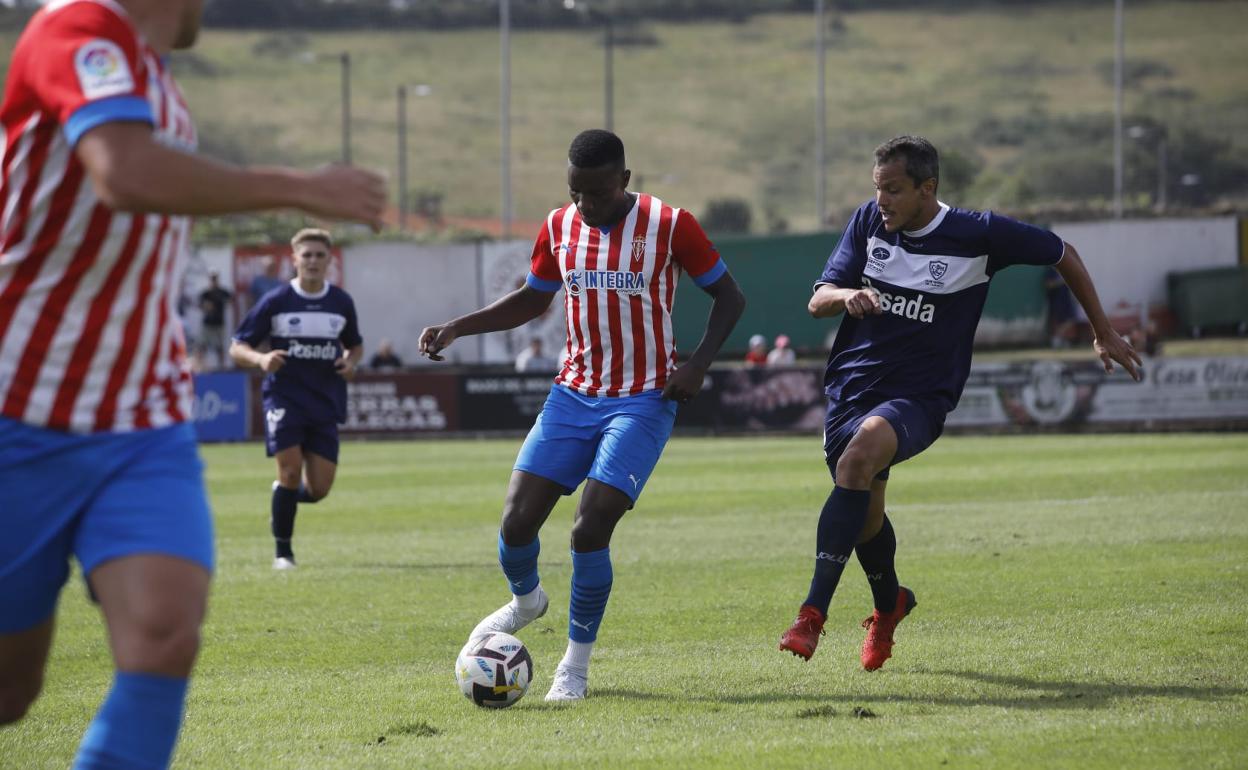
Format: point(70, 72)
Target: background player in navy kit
point(912, 275)
point(316, 347)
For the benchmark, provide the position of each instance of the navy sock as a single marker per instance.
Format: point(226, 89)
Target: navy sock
point(285, 505)
point(519, 564)
point(306, 497)
point(591, 586)
point(876, 557)
point(840, 523)
point(137, 726)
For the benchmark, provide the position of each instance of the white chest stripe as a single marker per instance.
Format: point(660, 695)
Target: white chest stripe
point(930, 273)
point(316, 324)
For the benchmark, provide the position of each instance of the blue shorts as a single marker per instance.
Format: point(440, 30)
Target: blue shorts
point(917, 423)
point(97, 497)
point(285, 427)
point(616, 441)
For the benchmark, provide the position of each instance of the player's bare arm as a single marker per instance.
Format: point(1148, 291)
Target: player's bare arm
point(131, 171)
point(350, 361)
point(829, 301)
point(512, 310)
point(1106, 342)
point(727, 305)
point(249, 358)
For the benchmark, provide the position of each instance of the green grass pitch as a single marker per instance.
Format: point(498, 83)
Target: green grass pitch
point(1081, 604)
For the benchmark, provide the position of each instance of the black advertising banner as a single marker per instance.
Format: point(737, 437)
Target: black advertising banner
point(402, 403)
point(756, 399)
point(1016, 395)
point(502, 402)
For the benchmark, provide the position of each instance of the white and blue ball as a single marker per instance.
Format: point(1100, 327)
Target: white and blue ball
point(494, 670)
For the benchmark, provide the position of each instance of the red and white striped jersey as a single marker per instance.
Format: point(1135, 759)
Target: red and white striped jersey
point(90, 340)
point(619, 287)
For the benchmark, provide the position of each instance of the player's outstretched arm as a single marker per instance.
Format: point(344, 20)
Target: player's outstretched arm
point(829, 301)
point(727, 305)
point(249, 358)
point(1106, 342)
point(511, 310)
point(132, 171)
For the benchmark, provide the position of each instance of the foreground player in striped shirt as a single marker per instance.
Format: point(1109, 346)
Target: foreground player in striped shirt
point(97, 457)
point(618, 256)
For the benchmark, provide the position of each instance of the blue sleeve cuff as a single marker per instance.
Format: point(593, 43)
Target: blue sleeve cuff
point(712, 275)
point(114, 109)
point(542, 284)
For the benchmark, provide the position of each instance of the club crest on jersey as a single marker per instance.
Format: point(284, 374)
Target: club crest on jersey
point(937, 268)
point(639, 249)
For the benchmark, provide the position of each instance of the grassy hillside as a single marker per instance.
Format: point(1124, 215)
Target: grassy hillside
point(721, 109)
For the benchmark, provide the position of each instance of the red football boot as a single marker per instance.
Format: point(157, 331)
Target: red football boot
point(803, 636)
point(878, 646)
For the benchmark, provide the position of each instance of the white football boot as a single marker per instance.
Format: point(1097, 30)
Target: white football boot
point(282, 564)
point(568, 686)
point(510, 618)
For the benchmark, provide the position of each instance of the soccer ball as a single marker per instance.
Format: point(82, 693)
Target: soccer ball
point(494, 670)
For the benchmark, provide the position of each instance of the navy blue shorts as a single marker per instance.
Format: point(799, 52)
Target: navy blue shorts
point(96, 497)
point(614, 440)
point(285, 427)
point(917, 423)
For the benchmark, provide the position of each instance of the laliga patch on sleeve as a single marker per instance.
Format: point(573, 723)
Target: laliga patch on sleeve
point(103, 70)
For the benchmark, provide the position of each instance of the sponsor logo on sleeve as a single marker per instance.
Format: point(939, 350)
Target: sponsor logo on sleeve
point(102, 70)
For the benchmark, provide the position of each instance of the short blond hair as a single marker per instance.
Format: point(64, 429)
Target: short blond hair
point(312, 234)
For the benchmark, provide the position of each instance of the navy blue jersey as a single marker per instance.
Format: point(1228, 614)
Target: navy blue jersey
point(314, 330)
point(932, 285)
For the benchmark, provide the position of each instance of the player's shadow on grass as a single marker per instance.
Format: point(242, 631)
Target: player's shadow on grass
point(1040, 694)
point(1083, 694)
point(491, 567)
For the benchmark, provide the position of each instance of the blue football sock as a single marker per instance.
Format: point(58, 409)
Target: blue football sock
point(282, 522)
point(840, 523)
point(137, 726)
point(877, 559)
point(591, 586)
point(519, 564)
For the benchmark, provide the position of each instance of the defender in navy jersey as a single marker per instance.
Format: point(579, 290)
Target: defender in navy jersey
point(911, 274)
point(315, 346)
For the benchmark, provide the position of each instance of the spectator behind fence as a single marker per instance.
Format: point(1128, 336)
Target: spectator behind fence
point(212, 303)
point(757, 354)
point(781, 354)
point(385, 357)
point(531, 359)
point(265, 281)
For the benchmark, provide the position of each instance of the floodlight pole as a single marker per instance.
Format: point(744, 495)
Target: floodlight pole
point(821, 129)
point(608, 45)
point(402, 94)
point(504, 25)
point(1119, 54)
point(344, 59)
